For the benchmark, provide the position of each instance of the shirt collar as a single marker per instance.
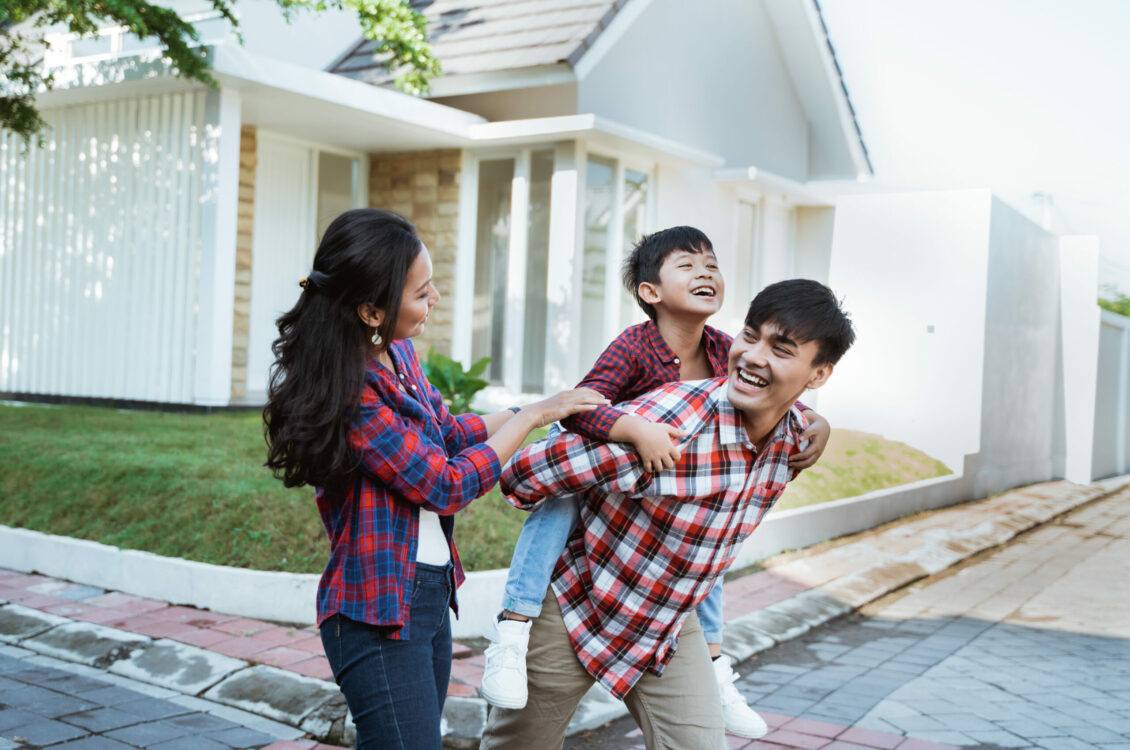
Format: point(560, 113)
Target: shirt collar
point(731, 428)
point(662, 352)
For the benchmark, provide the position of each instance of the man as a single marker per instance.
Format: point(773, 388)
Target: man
point(650, 546)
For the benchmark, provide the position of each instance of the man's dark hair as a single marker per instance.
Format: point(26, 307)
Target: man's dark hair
point(804, 310)
point(649, 253)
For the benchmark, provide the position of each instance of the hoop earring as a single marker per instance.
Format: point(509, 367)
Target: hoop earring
point(376, 338)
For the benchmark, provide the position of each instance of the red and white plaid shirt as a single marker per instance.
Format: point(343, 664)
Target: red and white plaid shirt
point(650, 546)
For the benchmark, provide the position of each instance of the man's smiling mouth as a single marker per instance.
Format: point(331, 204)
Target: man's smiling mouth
point(750, 378)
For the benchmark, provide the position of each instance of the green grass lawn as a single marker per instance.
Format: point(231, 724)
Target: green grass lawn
point(193, 486)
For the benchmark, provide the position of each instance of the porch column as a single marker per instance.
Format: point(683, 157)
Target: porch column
point(776, 262)
point(212, 375)
point(463, 307)
point(563, 310)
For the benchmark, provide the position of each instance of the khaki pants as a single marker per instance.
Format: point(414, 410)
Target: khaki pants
point(679, 711)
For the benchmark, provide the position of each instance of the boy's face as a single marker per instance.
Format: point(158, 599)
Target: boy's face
point(688, 283)
point(768, 371)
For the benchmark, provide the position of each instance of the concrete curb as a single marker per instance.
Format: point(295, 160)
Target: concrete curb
point(313, 706)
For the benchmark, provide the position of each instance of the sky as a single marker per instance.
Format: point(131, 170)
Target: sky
point(1030, 98)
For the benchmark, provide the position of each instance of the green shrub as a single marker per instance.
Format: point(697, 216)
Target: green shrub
point(457, 386)
point(1117, 302)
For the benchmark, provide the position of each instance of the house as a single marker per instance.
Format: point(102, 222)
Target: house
point(147, 250)
point(164, 227)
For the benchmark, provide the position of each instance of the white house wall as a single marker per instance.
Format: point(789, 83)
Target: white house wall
point(99, 248)
point(912, 270)
point(1022, 368)
point(707, 74)
point(1112, 399)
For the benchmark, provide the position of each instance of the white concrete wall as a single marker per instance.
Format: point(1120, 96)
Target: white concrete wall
point(1079, 323)
point(1022, 359)
point(913, 272)
point(814, 229)
point(707, 74)
point(1112, 398)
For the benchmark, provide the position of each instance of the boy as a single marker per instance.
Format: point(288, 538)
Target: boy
point(675, 278)
point(650, 547)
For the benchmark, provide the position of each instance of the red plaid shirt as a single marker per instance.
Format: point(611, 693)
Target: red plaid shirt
point(650, 546)
point(638, 361)
point(411, 454)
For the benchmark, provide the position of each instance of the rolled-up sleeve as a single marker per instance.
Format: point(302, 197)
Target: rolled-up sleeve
point(393, 451)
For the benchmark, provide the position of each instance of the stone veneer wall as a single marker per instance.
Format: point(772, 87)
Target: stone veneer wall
point(241, 326)
point(423, 186)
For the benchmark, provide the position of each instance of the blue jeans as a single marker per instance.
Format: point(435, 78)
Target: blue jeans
point(395, 688)
point(543, 538)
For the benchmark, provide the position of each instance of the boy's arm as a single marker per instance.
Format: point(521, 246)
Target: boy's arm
point(615, 369)
point(565, 463)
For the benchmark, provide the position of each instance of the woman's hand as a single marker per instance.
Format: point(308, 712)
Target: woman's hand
point(563, 405)
point(817, 436)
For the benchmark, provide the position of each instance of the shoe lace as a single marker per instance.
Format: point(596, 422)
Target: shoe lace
point(505, 656)
point(730, 692)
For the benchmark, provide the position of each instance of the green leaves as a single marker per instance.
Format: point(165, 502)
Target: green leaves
point(457, 386)
point(400, 33)
point(1116, 303)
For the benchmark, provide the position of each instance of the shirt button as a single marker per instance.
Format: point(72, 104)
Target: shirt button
point(677, 361)
point(402, 376)
point(412, 387)
point(749, 446)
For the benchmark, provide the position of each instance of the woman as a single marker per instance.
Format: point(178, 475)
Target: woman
point(350, 412)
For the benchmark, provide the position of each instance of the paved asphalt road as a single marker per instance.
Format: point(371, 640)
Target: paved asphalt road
point(1027, 646)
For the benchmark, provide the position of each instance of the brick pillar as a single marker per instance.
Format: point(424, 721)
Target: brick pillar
point(241, 326)
point(423, 186)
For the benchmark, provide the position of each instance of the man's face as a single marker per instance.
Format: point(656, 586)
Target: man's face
point(768, 371)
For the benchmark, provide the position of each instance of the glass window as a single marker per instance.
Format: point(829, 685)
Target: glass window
point(492, 247)
point(337, 176)
point(635, 224)
point(599, 189)
point(537, 272)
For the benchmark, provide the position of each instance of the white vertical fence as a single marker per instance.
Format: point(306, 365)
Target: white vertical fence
point(99, 250)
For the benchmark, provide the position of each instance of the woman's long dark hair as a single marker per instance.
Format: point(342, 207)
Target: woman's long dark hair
point(323, 345)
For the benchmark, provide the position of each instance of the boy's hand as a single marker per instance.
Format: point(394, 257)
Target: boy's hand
point(656, 442)
point(817, 436)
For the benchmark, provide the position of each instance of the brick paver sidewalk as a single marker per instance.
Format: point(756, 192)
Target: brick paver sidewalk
point(792, 594)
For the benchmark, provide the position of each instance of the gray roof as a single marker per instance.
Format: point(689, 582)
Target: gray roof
point(492, 35)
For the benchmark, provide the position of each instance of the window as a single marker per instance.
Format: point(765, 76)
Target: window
point(505, 185)
point(616, 210)
point(492, 250)
point(507, 314)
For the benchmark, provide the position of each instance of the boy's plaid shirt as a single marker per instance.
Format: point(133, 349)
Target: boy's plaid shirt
point(649, 547)
point(638, 361)
point(411, 453)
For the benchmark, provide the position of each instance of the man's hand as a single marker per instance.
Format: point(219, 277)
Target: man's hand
point(817, 436)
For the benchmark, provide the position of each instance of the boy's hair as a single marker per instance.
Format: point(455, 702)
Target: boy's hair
point(804, 310)
point(649, 253)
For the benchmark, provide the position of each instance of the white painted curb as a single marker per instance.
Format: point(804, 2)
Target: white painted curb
point(265, 595)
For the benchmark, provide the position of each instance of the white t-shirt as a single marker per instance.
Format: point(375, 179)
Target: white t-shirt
point(433, 549)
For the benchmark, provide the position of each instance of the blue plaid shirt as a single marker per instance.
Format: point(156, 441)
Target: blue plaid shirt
point(411, 454)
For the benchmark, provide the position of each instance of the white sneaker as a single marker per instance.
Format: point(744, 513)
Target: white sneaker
point(741, 720)
point(504, 676)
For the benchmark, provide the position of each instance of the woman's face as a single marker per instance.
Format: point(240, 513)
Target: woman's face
point(418, 298)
